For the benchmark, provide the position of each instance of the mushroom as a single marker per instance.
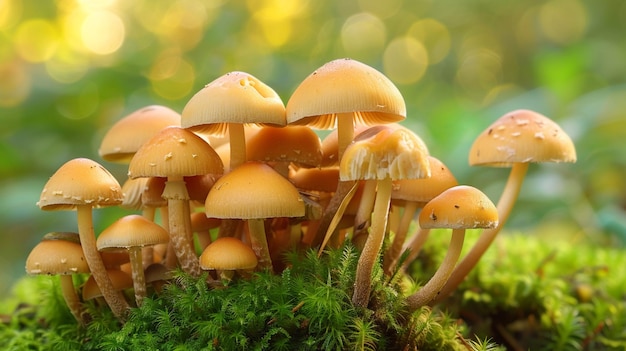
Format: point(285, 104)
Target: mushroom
point(415, 193)
point(253, 192)
point(132, 233)
point(82, 184)
point(62, 256)
point(228, 255)
point(380, 158)
point(458, 208)
point(229, 102)
point(514, 140)
point(120, 282)
point(175, 153)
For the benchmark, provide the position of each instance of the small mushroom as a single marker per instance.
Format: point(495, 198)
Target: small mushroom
point(228, 255)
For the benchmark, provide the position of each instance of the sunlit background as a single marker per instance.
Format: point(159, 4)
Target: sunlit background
point(69, 69)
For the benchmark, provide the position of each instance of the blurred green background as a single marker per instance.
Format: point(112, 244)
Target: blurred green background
point(69, 69)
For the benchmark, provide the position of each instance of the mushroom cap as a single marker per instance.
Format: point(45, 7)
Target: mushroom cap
point(120, 279)
point(396, 153)
point(297, 144)
point(522, 136)
point(53, 257)
point(330, 145)
point(151, 195)
point(236, 97)
point(131, 231)
point(80, 181)
point(127, 135)
point(459, 207)
point(228, 253)
point(316, 179)
point(175, 152)
point(345, 86)
point(133, 190)
point(424, 189)
point(252, 191)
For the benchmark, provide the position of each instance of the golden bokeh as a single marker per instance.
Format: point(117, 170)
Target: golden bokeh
point(36, 40)
point(363, 36)
point(102, 32)
point(405, 60)
point(435, 37)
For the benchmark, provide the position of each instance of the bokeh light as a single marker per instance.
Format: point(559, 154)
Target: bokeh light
point(36, 40)
point(363, 36)
point(102, 32)
point(405, 60)
point(563, 21)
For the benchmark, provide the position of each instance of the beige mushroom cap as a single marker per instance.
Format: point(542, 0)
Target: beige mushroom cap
point(343, 86)
point(424, 189)
point(459, 207)
point(522, 136)
point(396, 153)
point(236, 97)
point(297, 144)
point(131, 231)
point(80, 181)
point(127, 135)
point(53, 257)
point(252, 191)
point(228, 253)
point(120, 279)
point(175, 152)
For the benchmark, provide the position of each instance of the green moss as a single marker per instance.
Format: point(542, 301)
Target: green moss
point(545, 296)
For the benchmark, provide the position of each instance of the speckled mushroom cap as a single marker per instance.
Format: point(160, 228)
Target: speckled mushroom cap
point(342, 86)
point(80, 181)
point(236, 97)
point(253, 190)
point(396, 153)
point(228, 253)
point(127, 135)
point(522, 136)
point(297, 144)
point(424, 189)
point(53, 257)
point(177, 152)
point(459, 207)
point(131, 231)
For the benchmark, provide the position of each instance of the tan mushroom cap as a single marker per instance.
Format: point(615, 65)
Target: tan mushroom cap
point(251, 191)
point(120, 279)
point(297, 144)
point(175, 152)
point(131, 231)
point(342, 86)
point(56, 257)
point(425, 189)
point(316, 179)
point(228, 253)
point(127, 135)
point(522, 136)
point(80, 181)
point(396, 153)
point(133, 190)
point(459, 207)
point(236, 97)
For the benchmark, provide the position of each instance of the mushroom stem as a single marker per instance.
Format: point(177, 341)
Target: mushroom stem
point(432, 288)
point(371, 250)
point(415, 246)
point(237, 145)
point(392, 255)
point(344, 189)
point(71, 297)
point(147, 256)
point(505, 205)
point(114, 298)
point(139, 279)
point(178, 205)
point(364, 212)
point(345, 132)
point(258, 242)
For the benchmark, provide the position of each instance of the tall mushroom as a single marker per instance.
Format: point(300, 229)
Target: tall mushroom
point(253, 192)
point(82, 184)
point(514, 140)
point(458, 208)
point(173, 154)
point(132, 233)
point(62, 256)
point(340, 94)
point(387, 155)
point(229, 102)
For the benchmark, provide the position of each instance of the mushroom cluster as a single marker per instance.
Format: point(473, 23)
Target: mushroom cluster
point(240, 178)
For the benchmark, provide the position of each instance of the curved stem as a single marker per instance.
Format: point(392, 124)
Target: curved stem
point(395, 250)
point(71, 297)
point(429, 291)
point(366, 205)
point(258, 242)
point(114, 298)
point(371, 250)
point(505, 205)
point(415, 246)
point(139, 279)
point(178, 207)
